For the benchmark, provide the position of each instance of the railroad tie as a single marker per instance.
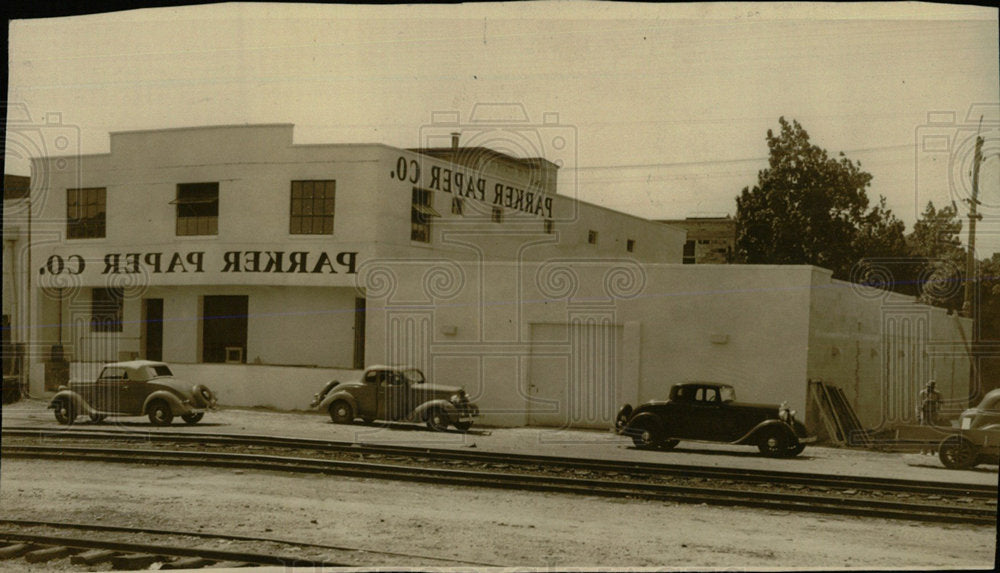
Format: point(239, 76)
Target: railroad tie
point(134, 561)
point(93, 556)
point(49, 553)
point(187, 563)
point(16, 550)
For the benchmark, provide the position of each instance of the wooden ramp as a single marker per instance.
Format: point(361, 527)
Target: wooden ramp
point(841, 422)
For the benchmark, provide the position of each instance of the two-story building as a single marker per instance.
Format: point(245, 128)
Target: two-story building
point(264, 267)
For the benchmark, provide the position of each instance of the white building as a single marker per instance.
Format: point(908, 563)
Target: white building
point(264, 268)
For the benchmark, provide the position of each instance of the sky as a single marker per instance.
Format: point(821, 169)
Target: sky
point(659, 111)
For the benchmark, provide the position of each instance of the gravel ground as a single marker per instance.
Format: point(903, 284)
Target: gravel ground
point(570, 443)
point(482, 526)
point(477, 526)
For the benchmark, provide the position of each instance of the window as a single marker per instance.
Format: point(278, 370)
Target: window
point(688, 258)
point(312, 208)
point(197, 209)
point(421, 211)
point(497, 215)
point(85, 213)
point(106, 306)
point(549, 226)
point(592, 237)
point(457, 205)
point(630, 245)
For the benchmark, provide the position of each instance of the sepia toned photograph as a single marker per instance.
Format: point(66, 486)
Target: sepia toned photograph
point(501, 286)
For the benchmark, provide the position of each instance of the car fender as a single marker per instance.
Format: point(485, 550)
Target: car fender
point(342, 395)
point(79, 404)
point(753, 436)
point(176, 406)
point(647, 418)
point(449, 409)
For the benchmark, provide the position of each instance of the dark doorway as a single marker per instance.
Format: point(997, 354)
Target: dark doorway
point(359, 334)
point(224, 329)
point(152, 323)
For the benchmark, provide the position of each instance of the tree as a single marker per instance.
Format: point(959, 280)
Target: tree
point(936, 254)
point(808, 208)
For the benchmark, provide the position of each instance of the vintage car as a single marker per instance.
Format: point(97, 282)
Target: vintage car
point(135, 388)
point(978, 439)
point(396, 393)
point(706, 411)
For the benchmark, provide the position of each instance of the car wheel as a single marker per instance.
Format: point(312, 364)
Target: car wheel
point(436, 420)
point(645, 435)
point(796, 449)
point(160, 413)
point(98, 418)
point(669, 444)
point(957, 453)
point(341, 412)
point(65, 413)
point(774, 444)
point(193, 417)
point(463, 426)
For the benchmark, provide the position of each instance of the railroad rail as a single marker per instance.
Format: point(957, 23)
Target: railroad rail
point(100, 545)
point(850, 502)
point(499, 460)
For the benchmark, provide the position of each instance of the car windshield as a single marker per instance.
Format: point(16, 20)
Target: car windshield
point(413, 375)
point(728, 393)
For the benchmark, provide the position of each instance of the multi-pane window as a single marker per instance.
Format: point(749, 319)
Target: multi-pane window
point(421, 211)
point(197, 209)
point(497, 214)
point(592, 237)
point(312, 208)
point(457, 205)
point(688, 258)
point(106, 306)
point(85, 213)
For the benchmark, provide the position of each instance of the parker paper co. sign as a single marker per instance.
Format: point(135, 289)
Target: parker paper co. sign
point(175, 262)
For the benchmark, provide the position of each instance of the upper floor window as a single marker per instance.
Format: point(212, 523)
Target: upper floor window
point(197, 209)
point(592, 237)
point(312, 207)
point(421, 211)
point(85, 213)
point(497, 215)
point(630, 245)
point(549, 226)
point(457, 205)
point(106, 306)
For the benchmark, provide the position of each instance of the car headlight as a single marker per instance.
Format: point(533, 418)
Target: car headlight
point(784, 414)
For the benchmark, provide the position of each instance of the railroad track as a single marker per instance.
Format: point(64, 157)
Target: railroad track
point(522, 462)
point(850, 502)
point(90, 545)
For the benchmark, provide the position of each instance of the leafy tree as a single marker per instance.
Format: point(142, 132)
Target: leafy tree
point(809, 208)
point(937, 256)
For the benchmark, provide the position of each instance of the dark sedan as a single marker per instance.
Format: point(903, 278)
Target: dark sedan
point(706, 411)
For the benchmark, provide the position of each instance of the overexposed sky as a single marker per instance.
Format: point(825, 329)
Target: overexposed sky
point(658, 111)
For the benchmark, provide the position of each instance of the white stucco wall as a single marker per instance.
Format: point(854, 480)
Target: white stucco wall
point(881, 349)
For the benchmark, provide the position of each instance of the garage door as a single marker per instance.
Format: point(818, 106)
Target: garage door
point(574, 372)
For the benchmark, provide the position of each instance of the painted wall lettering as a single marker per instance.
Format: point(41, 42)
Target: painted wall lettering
point(465, 184)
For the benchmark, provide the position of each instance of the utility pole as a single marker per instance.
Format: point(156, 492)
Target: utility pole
point(970, 258)
point(971, 276)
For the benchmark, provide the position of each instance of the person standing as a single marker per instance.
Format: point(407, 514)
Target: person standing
point(930, 402)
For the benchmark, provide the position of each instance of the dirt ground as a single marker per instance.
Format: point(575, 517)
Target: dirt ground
point(476, 527)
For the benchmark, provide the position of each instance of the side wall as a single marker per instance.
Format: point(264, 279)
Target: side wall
point(882, 348)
